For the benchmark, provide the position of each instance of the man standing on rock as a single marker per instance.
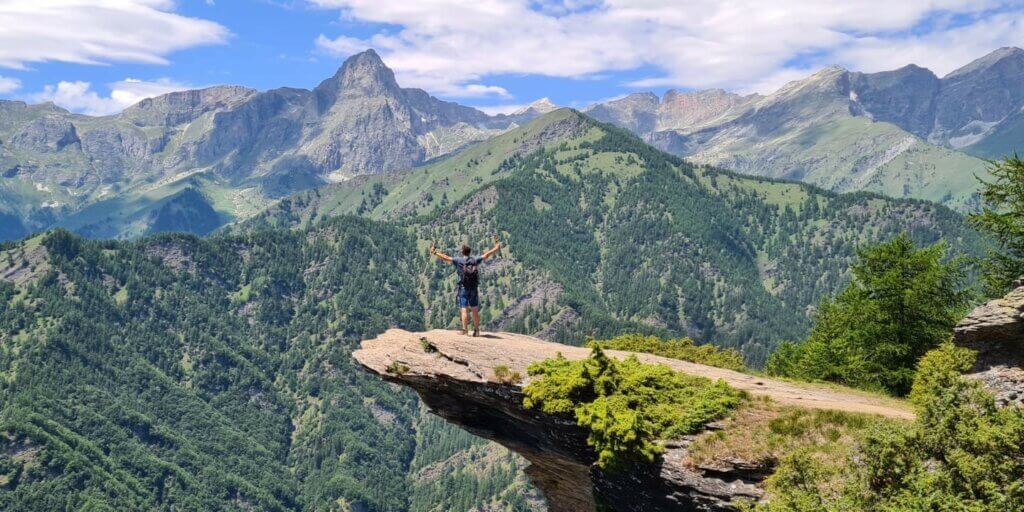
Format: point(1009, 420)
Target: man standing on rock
point(468, 269)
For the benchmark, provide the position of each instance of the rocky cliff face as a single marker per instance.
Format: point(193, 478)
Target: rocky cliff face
point(996, 331)
point(455, 377)
point(978, 100)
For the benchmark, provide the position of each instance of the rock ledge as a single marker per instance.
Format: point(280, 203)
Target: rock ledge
point(454, 375)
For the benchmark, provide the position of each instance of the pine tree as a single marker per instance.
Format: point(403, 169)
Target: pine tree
point(902, 302)
point(1003, 218)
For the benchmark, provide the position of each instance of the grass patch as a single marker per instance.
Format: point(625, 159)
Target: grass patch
point(961, 453)
point(428, 347)
point(505, 376)
point(683, 349)
point(763, 433)
point(397, 368)
point(627, 405)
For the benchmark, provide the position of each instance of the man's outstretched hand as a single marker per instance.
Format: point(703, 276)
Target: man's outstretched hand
point(488, 254)
point(441, 256)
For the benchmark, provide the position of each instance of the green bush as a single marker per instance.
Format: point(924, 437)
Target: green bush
point(680, 348)
point(962, 453)
point(627, 405)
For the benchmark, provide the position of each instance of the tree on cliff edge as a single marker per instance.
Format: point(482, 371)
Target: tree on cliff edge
point(1003, 217)
point(902, 302)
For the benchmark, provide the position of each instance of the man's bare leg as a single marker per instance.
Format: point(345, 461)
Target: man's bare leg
point(476, 321)
point(465, 320)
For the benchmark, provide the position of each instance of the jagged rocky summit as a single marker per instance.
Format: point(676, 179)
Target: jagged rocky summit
point(996, 331)
point(455, 377)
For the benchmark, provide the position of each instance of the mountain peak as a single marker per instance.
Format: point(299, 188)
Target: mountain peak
point(541, 106)
point(364, 72)
point(832, 70)
point(989, 60)
point(365, 67)
point(368, 57)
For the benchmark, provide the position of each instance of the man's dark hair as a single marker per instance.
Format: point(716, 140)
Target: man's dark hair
point(466, 250)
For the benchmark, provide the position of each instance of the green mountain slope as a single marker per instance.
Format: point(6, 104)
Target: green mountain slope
point(854, 153)
point(607, 233)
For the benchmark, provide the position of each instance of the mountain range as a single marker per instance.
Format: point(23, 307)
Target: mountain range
point(194, 160)
point(611, 235)
point(197, 160)
point(903, 133)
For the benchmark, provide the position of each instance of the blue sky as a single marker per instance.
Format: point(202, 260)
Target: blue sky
point(97, 56)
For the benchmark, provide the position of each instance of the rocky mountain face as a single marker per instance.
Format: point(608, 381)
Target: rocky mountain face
point(456, 378)
point(996, 331)
point(904, 133)
point(236, 147)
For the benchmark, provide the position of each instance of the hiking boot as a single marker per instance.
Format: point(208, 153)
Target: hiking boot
point(476, 332)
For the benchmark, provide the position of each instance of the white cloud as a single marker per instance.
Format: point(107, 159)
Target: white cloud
point(80, 97)
point(98, 31)
point(445, 46)
point(341, 45)
point(8, 84)
point(493, 110)
point(484, 90)
point(940, 51)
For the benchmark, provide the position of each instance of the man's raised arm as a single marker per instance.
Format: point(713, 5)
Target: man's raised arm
point(440, 255)
point(487, 255)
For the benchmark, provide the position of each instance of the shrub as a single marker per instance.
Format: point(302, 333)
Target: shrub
point(962, 453)
point(627, 405)
point(397, 368)
point(681, 348)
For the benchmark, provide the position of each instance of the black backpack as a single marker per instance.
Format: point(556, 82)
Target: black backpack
point(470, 274)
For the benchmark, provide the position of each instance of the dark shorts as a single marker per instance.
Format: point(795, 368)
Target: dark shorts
point(469, 298)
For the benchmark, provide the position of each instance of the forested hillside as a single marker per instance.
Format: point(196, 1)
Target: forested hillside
point(175, 373)
point(607, 234)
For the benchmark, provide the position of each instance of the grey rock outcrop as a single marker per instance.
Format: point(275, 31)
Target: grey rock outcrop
point(995, 330)
point(181, 107)
point(46, 134)
point(905, 97)
point(637, 113)
point(976, 100)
